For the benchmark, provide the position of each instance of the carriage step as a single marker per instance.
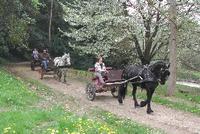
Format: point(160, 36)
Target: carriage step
point(48, 70)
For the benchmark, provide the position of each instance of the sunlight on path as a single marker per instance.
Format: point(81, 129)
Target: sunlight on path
point(190, 84)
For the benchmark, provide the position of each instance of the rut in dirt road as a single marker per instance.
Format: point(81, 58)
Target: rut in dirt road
point(169, 120)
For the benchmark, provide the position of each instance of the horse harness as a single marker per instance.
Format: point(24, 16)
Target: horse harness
point(148, 77)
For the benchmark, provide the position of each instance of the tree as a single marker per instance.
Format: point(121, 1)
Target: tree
point(188, 42)
point(44, 32)
point(100, 25)
point(50, 21)
point(14, 22)
point(150, 31)
point(172, 47)
point(95, 26)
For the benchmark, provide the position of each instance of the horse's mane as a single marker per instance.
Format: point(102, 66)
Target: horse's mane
point(157, 65)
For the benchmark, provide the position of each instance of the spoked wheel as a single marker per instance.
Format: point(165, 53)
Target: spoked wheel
point(90, 91)
point(114, 92)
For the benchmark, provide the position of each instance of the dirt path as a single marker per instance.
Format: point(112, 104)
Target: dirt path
point(169, 120)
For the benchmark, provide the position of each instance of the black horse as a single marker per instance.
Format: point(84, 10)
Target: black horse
point(150, 75)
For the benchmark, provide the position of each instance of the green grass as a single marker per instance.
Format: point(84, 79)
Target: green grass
point(183, 74)
point(21, 112)
point(55, 120)
point(13, 92)
point(3, 61)
point(126, 126)
point(186, 93)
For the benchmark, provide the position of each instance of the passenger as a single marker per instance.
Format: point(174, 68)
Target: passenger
point(35, 54)
point(100, 69)
point(45, 58)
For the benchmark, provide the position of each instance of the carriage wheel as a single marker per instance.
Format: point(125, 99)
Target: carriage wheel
point(114, 92)
point(90, 91)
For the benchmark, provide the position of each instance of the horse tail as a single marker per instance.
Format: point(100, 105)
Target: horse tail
point(122, 92)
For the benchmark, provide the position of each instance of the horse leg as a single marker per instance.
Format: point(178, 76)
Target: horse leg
point(134, 96)
point(148, 101)
point(121, 93)
point(59, 74)
point(64, 75)
point(42, 74)
point(143, 103)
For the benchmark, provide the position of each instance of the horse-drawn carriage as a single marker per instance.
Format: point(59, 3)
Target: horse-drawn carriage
point(56, 67)
point(112, 83)
point(147, 77)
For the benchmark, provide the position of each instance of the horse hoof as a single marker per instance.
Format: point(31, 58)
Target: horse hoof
point(120, 101)
point(137, 105)
point(120, 104)
point(143, 103)
point(149, 111)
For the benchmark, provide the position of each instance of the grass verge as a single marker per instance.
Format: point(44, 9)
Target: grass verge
point(183, 74)
point(126, 126)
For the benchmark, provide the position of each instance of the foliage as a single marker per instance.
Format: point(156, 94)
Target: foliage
point(14, 23)
point(13, 92)
point(150, 34)
point(95, 26)
point(189, 50)
point(124, 31)
point(188, 75)
point(17, 30)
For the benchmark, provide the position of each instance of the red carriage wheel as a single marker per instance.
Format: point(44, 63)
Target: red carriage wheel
point(90, 92)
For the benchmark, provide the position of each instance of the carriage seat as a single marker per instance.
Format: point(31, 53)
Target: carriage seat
point(112, 75)
point(95, 78)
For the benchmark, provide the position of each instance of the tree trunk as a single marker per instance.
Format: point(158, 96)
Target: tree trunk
point(172, 47)
point(50, 21)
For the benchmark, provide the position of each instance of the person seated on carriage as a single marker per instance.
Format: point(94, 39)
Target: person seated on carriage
point(100, 69)
point(45, 58)
point(35, 54)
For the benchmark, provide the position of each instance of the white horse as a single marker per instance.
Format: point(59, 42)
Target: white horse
point(61, 64)
point(62, 61)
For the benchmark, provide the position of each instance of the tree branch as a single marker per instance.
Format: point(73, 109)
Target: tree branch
point(154, 50)
point(189, 9)
point(188, 64)
point(167, 17)
point(138, 48)
point(157, 24)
